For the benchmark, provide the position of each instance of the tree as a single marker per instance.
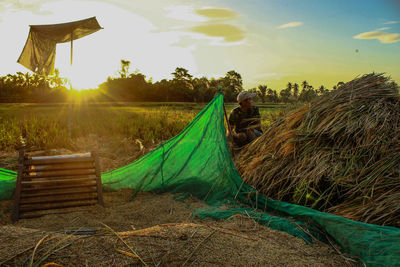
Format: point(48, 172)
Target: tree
point(55, 80)
point(275, 97)
point(124, 68)
point(182, 74)
point(270, 95)
point(296, 91)
point(304, 84)
point(262, 93)
point(321, 90)
point(27, 87)
point(285, 95)
point(232, 85)
point(182, 85)
point(200, 86)
point(289, 88)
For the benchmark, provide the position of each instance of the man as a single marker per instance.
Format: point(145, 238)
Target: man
point(245, 120)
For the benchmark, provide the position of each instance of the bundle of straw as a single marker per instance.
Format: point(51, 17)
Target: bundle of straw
point(339, 154)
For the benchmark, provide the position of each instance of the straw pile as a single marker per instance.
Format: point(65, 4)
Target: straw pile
point(339, 154)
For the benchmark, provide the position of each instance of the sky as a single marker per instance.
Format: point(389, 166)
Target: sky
point(270, 42)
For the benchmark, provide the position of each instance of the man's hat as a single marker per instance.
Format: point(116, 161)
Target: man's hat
point(245, 95)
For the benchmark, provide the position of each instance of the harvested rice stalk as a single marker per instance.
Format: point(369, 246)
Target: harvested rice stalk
point(340, 153)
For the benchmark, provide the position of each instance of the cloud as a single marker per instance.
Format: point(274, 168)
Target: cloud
point(391, 22)
point(383, 37)
point(33, 6)
point(290, 25)
point(185, 13)
point(217, 13)
point(203, 14)
point(228, 32)
point(383, 29)
point(207, 24)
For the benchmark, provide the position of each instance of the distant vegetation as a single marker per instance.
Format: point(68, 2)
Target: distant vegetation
point(130, 87)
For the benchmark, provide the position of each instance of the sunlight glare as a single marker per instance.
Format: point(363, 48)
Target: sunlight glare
point(127, 36)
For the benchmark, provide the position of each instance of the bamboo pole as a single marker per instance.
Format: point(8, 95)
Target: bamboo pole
point(70, 92)
point(227, 122)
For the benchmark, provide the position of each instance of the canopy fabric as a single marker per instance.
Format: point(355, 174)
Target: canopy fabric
point(39, 52)
point(198, 162)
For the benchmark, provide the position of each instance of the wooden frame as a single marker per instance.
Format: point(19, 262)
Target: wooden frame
point(46, 184)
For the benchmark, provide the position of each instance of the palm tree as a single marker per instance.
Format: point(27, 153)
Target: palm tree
point(304, 84)
point(56, 80)
point(321, 90)
point(296, 91)
point(28, 78)
point(289, 87)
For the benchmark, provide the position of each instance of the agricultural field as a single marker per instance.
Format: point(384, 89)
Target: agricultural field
point(348, 138)
point(120, 131)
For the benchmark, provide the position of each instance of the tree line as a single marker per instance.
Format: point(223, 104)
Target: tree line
point(183, 87)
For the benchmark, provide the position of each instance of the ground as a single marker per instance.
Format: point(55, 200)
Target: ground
point(159, 229)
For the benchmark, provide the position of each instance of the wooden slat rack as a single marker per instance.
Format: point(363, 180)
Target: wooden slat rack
point(50, 183)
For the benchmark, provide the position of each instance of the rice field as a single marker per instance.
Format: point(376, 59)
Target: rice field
point(45, 126)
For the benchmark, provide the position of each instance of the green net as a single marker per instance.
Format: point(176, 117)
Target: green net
point(198, 162)
point(7, 183)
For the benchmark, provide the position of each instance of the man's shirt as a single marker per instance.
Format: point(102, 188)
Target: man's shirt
point(245, 120)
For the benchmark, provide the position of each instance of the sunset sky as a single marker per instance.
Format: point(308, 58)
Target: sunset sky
point(267, 41)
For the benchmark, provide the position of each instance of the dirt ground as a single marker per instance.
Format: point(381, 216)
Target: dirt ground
point(153, 230)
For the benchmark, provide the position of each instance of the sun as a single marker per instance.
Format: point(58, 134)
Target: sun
point(80, 80)
point(77, 81)
point(84, 73)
